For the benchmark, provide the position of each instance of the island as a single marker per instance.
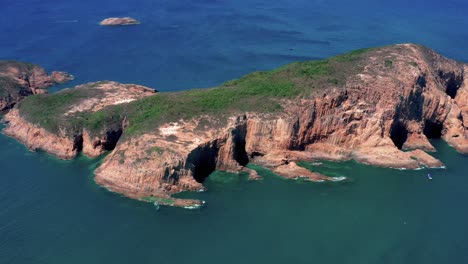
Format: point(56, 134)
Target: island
point(378, 106)
point(20, 79)
point(119, 21)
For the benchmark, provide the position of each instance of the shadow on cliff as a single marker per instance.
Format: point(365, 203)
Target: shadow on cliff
point(226, 154)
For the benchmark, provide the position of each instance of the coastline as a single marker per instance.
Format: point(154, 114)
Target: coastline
point(157, 149)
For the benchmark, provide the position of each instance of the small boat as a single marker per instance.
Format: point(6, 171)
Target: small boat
point(429, 176)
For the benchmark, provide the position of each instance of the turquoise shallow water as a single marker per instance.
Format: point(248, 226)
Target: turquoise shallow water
point(51, 211)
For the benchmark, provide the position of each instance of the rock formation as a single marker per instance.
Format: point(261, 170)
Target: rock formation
point(119, 21)
point(377, 106)
point(19, 79)
point(90, 97)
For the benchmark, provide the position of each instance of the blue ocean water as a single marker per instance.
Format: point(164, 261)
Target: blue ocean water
point(51, 211)
point(186, 44)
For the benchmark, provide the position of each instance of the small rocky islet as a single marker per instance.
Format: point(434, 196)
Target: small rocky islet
point(378, 106)
point(119, 21)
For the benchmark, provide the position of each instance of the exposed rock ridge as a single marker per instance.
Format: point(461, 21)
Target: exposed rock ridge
point(36, 137)
point(19, 79)
point(371, 120)
point(109, 93)
point(65, 145)
point(404, 95)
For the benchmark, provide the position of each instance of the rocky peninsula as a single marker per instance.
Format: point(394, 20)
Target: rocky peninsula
point(378, 106)
point(119, 21)
point(20, 79)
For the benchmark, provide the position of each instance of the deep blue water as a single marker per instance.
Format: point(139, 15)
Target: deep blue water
point(201, 43)
point(51, 211)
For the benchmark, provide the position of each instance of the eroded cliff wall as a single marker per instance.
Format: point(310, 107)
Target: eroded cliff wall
point(20, 79)
point(382, 114)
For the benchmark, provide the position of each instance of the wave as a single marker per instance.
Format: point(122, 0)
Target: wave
point(337, 179)
point(67, 21)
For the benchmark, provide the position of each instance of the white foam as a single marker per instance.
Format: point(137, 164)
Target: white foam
point(156, 205)
point(191, 207)
point(337, 179)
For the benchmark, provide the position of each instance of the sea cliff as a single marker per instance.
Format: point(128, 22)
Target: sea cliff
point(377, 106)
point(21, 79)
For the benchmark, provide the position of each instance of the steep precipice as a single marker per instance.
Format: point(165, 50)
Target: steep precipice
point(20, 79)
point(378, 106)
point(59, 125)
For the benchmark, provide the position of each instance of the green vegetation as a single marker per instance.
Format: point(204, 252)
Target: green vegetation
point(8, 87)
point(22, 66)
point(121, 155)
point(388, 63)
point(160, 200)
point(260, 91)
point(353, 55)
point(49, 111)
point(11, 90)
point(155, 149)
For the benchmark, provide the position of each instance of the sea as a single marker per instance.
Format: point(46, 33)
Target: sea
point(52, 211)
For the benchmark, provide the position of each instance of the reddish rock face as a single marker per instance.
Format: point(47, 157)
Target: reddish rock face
point(61, 77)
point(36, 137)
point(119, 21)
point(18, 80)
point(404, 95)
point(380, 111)
point(67, 147)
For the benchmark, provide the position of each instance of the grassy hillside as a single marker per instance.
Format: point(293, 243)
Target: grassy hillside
point(8, 86)
point(260, 91)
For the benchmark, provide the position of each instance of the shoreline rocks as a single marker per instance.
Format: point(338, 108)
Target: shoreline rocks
point(21, 79)
point(62, 144)
point(383, 116)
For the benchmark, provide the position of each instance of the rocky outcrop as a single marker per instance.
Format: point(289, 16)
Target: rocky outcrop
point(37, 138)
point(379, 113)
point(119, 21)
point(61, 77)
point(99, 95)
point(19, 79)
point(92, 97)
point(382, 115)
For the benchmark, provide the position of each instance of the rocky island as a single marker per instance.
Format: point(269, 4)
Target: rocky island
point(119, 21)
point(20, 79)
point(378, 106)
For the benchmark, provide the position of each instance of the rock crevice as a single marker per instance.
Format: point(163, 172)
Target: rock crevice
point(375, 115)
